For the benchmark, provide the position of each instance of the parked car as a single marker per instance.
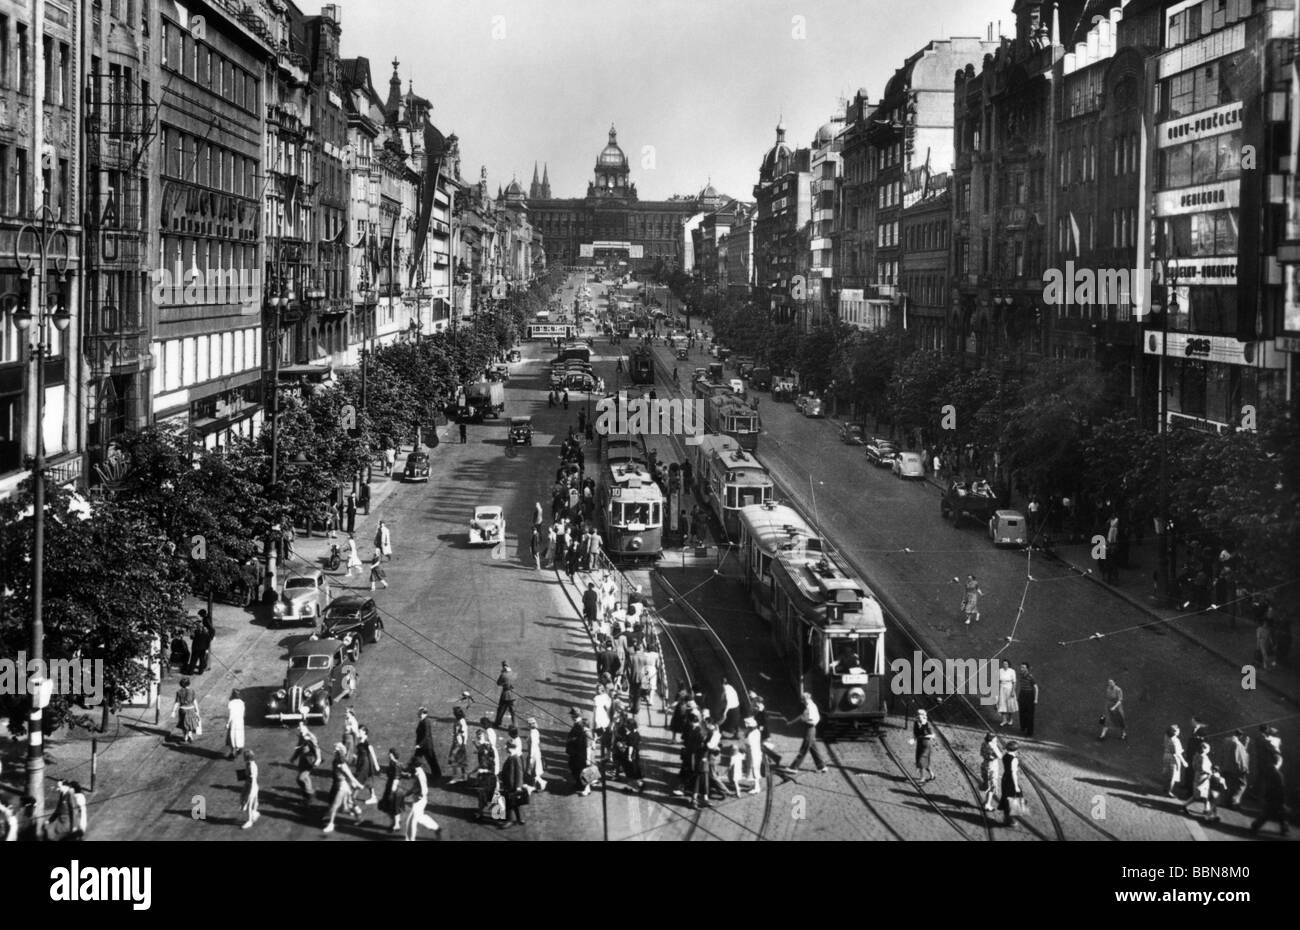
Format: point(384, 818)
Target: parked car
point(521, 431)
point(303, 598)
point(514, 355)
point(1007, 528)
point(488, 526)
point(813, 406)
point(880, 451)
point(319, 672)
point(353, 619)
point(783, 389)
point(417, 467)
point(737, 386)
point(851, 434)
point(974, 499)
point(499, 372)
point(907, 465)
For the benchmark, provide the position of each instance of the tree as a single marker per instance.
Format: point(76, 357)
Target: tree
point(1045, 429)
point(114, 591)
point(916, 390)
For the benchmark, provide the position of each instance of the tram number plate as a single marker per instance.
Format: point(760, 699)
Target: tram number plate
point(855, 679)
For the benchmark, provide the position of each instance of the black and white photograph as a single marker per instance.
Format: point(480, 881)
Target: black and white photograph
point(573, 421)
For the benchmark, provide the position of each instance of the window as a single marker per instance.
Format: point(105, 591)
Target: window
point(4, 51)
point(64, 64)
point(64, 190)
point(47, 59)
point(22, 192)
point(24, 61)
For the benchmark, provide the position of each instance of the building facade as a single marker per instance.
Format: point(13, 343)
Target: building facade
point(923, 281)
point(782, 211)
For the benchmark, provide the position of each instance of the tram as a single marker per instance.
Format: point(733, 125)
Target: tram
point(825, 621)
point(642, 366)
point(728, 415)
point(629, 502)
point(730, 479)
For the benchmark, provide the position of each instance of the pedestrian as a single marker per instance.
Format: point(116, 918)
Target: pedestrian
point(578, 750)
point(506, 682)
point(565, 399)
point(248, 583)
point(287, 538)
point(754, 753)
point(758, 708)
point(730, 709)
point(1236, 768)
point(572, 560)
point(201, 644)
point(970, 602)
point(514, 789)
point(1199, 737)
point(486, 785)
point(384, 541)
point(185, 709)
point(1202, 783)
point(1272, 788)
point(1111, 565)
point(560, 546)
point(364, 501)
point(307, 756)
point(1007, 701)
point(1114, 715)
point(351, 735)
point(366, 767)
point(351, 513)
point(990, 770)
point(1013, 799)
point(550, 398)
point(808, 718)
point(418, 798)
point(736, 766)
point(248, 797)
point(1264, 656)
point(354, 560)
point(68, 823)
point(590, 605)
point(535, 768)
point(1173, 760)
point(333, 517)
point(1027, 698)
point(343, 785)
point(464, 430)
point(607, 660)
point(390, 460)
point(377, 573)
point(235, 724)
point(424, 743)
point(391, 802)
point(923, 737)
point(458, 758)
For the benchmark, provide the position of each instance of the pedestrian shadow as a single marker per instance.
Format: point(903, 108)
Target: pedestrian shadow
point(1110, 784)
point(178, 744)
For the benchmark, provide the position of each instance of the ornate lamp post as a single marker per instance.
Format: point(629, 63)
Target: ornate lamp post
point(50, 308)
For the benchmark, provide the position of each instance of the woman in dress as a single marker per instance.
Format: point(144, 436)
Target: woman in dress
point(458, 760)
point(1012, 797)
point(351, 735)
point(235, 724)
point(991, 769)
point(391, 803)
point(1202, 784)
point(248, 800)
point(1174, 760)
point(377, 574)
point(186, 711)
point(970, 602)
point(342, 787)
point(754, 751)
point(627, 751)
point(535, 768)
point(1008, 704)
point(366, 766)
point(1114, 715)
point(354, 559)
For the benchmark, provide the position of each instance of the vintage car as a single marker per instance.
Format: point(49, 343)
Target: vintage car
point(851, 434)
point(514, 355)
point(521, 431)
point(681, 353)
point(302, 599)
point(353, 619)
point(880, 451)
point(907, 465)
point(499, 372)
point(488, 526)
point(810, 405)
point(1007, 528)
point(579, 381)
point(417, 467)
point(320, 672)
point(737, 386)
point(975, 499)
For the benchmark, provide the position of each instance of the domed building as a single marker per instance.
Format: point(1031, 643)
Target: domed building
point(611, 225)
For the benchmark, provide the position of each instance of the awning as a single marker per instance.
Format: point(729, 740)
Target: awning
point(312, 372)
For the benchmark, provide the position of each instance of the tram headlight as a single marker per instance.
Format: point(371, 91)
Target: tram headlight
point(855, 697)
point(635, 543)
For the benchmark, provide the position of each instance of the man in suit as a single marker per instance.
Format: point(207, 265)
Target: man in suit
point(578, 749)
point(590, 605)
point(424, 746)
point(1235, 767)
point(506, 682)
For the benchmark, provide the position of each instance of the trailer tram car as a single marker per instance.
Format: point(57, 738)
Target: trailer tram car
point(629, 502)
point(825, 621)
point(731, 478)
point(728, 415)
point(642, 366)
point(765, 530)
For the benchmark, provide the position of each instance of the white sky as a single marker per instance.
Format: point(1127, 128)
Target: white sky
point(702, 82)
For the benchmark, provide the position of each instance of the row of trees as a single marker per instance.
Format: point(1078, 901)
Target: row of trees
point(179, 520)
point(1062, 430)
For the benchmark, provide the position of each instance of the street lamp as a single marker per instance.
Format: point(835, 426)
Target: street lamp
point(32, 291)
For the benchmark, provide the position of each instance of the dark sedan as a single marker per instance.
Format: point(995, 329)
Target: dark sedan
point(851, 434)
point(353, 619)
point(417, 467)
point(881, 452)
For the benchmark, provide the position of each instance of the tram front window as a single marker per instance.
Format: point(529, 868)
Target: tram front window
point(847, 660)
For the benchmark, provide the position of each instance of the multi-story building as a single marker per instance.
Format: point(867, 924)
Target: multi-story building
point(206, 193)
point(740, 254)
point(710, 231)
point(41, 83)
point(781, 211)
point(120, 129)
point(852, 235)
point(924, 283)
point(1218, 199)
point(824, 170)
point(611, 224)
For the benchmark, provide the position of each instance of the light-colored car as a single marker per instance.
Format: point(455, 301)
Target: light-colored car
point(488, 526)
point(303, 598)
point(907, 465)
point(1007, 528)
point(737, 387)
